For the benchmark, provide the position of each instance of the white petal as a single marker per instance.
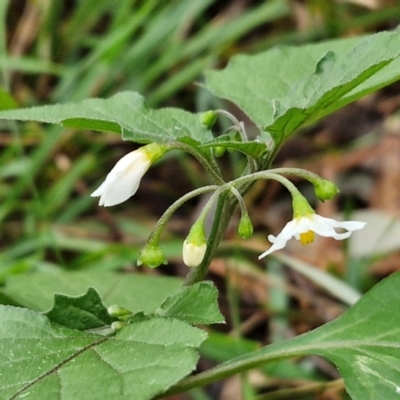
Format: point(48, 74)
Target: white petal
point(100, 190)
point(193, 254)
point(290, 230)
point(276, 246)
point(325, 227)
point(312, 222)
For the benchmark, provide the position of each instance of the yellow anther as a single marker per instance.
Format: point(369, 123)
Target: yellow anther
point(307, 237)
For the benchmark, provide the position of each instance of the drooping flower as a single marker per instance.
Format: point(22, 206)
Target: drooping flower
point(123, 180)
point(195, 245)
point(306, 223)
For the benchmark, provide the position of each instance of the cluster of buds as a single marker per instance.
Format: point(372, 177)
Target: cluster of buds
point(124, 179)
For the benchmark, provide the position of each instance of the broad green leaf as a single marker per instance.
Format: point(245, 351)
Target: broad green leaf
point(363, 343)
point(285, 87)
point(45, 361)
point(135, 292)
point(253, 148)
point(82, 312)
point(196, 304)
point(123, 113)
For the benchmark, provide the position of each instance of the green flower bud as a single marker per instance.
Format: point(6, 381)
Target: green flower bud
point(195, 245)
point(219, 151)
point(325, 189)
point(117, 325)
point(193, 253)
point(245, 228)
point(152, 256)
point(118, 312)
point(208, 118)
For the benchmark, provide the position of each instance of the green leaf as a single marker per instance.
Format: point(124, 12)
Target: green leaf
point(82, 312)
point(363, 343)
point(195, 304)
point(45, 361)
point(253, 148)
point(135, 292)
point(285, 87)
point(123, 113)
point(6, 101)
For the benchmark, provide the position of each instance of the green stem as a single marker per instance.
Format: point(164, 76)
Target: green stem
point(225, 207)
point(223, 213)
point(307, 175)
point(160, 225)
point(266, 175)
point(307, 389)
point(210, 166)
point(241, 364)
point(243, 135)
point(240, 200)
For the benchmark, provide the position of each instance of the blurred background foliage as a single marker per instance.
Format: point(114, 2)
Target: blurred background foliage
point(60, 51)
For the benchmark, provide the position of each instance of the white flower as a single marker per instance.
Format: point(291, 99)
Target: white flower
point(123, 180)
point(303, 227)
point(193, 253)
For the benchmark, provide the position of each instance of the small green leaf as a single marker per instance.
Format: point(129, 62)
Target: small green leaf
point(82, 312)
point(253, 148)
point(196, 304)
point(45, 361)
point(124, 113)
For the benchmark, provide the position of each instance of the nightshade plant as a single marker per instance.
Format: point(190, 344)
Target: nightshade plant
point(82, 349)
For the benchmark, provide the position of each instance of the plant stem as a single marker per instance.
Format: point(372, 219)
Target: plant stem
point(302, 173)
point(210, 166)
point(222, 216)
point(266, 175)
point(241, 364)
point(226, 204)
point(156, 233)
point(295, 393)
point(239, 125)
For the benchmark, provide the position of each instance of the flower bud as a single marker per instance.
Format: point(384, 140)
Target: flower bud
point(208, 118)
point(195, 245)
point(152, 256)
point(219, 151)
point(118, 312)
point(193, 253)
point(245, 228)
point(325, 189)
point(117, 325)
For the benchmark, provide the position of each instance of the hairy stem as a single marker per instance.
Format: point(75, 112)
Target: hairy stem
point(210, 166)
point(307, 389)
